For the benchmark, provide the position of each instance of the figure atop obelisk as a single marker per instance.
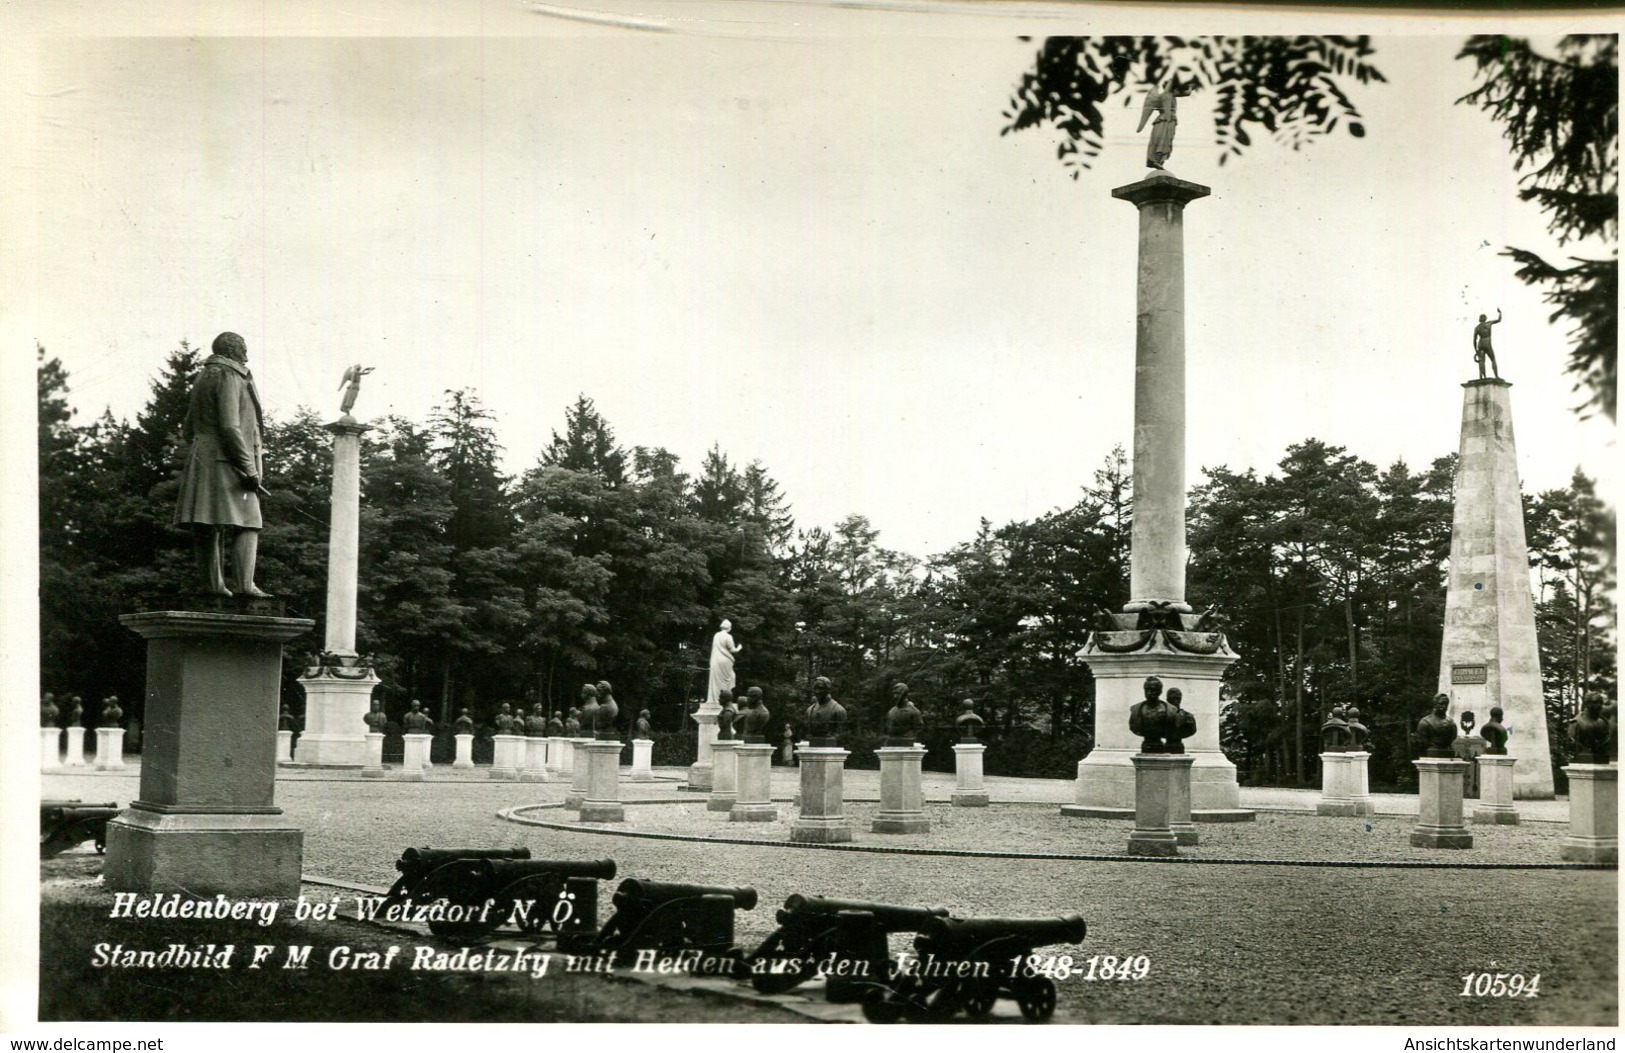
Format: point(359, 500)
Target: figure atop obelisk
point(1163, 100)
point(1490, 657)
point(352, 377)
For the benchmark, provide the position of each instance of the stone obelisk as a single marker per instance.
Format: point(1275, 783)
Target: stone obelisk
point(338, 690)
point(1490, 656)
point(1157, 635)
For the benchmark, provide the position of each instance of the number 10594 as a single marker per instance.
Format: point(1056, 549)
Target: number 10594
point(1500, 985)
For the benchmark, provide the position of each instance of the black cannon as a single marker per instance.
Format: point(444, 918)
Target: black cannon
point(968, 964)
point(68, 824)
point(667, 918)
point(844, 939)
point(467, 900)
point(416, 864)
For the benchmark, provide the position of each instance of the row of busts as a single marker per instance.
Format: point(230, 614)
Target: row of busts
point(1343, 732)
point(111, 715)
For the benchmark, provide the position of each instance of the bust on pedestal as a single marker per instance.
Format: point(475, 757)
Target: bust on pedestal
point(969, 791)
point(902, 790)
point(110, 736)
point(377, 722)
point(1440, 783)
point(1593, 788)
point(724, 764)
point(464, 736)
point(753, 762)
point(1162, 773)
point(418, 730)
point(76, 734)
point(823, 819)
point(50, 736)
point(642, 749)
point(601, 798)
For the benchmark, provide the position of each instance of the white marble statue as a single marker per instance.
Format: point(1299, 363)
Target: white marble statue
point(723, 649)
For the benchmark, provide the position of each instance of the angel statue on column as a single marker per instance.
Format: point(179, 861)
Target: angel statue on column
point(352, 377)
point(1163, 100)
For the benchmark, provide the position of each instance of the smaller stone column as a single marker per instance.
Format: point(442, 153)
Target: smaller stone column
point(284, 747)
point(968, 789)
point(902, 791)
point(373, 766)
point(580, 773)
point(1439, 791)
point(699, 773)
point(76, 746)
point(753, 771)
point(50, 748)
point(465, 751)
point(1343, 785)
point(1495, 791)
point(601, 802)
point(1593, 814)
point(504, 765)
point(1155, 804)
point(415, 758)
point(1179, 805)
point(724, 776)
point(561, 754)
point(642, 758)
point(530, 759)
point(822, 819)
point(109, 749)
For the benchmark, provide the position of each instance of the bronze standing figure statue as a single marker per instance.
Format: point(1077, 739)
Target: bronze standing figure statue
point(220, 484)
point(1163, 100)
point(1482, 348)
point(352, 377)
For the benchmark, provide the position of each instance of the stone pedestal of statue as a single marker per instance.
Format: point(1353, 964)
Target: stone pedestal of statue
point(1489, 655)
point(601, 802)
point(1160, 781)
point(1495, 790)
point(902, 791)
point(335, 732)
point(580, 773)
point(969, 792)
point(415, 756)
point(1107, 784)
point(530, 759)
point(822, 819)
point(76, 747)
point(699, 773)
point(1342, 785)
point(373, 767)
point(753, 769)
point(642, 758)
point(284, 747)
point(464, 757)
point(507, 756)
point(109, 749)
point(50, 748)
point(206, 822)
point(724, 776)
point(1439, 797)
point(561, 755)
point(1593, 814)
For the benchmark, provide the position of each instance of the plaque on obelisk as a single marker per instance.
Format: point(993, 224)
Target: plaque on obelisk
point(1490, 657)
point(338, 686)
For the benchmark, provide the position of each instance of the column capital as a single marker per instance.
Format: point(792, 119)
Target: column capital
point(1161, 188)
point(347, 425)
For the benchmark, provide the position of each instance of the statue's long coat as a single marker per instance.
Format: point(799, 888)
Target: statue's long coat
point(223, 424)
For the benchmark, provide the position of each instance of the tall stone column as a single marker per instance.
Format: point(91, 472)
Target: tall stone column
point(1490, 656)
point(338, 690)
point(1157, 635)
point(699, 773)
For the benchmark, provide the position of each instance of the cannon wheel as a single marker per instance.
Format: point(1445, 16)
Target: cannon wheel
point(458, 883)
point(979, 1000)
point(780, 982)
point(1036, 997)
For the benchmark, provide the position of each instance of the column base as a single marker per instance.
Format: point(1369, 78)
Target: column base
point(969, 798)
point(821, 831)
point(1344, 807)
point(900, 824)
point(1441, 838)
point(699, 777)
point(203, 853)
point(372, 773)
point(1153, 843)
point(721, 801)
point(602, 812)
point(1496, 814)
point(1184, 833)
point(755, 813)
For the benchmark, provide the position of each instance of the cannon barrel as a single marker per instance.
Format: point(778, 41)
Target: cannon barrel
point(504, 871)
point(653, 893)
point(892, 917)
point(71, 812)
point(422, 860)
point(965, 933)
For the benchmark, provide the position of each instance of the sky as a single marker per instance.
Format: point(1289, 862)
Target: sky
point(811, 247)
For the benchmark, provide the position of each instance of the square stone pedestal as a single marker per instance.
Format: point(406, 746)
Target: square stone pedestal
point(1161, 793)
point(109, 749)
point(642, 756)
point(373, 768)
point(902, 792)
point(753, 764)
point(76, 747)
point(335, 734)
point(284, 746)
point(464, 757)
point(1593, 814)
point(1439, 792)
point(561, 755)
point(507, 756)
point(415, 756)
point(205, 822)
point(822, 819)
point(602, 803)
point(1495, 788)
point(969, 791)
point(1343, 785)
point(699, 773)
point(724, 776)
point(50, 748)
point(580, 773)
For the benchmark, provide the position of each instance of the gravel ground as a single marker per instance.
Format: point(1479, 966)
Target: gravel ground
point(1227, 944)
